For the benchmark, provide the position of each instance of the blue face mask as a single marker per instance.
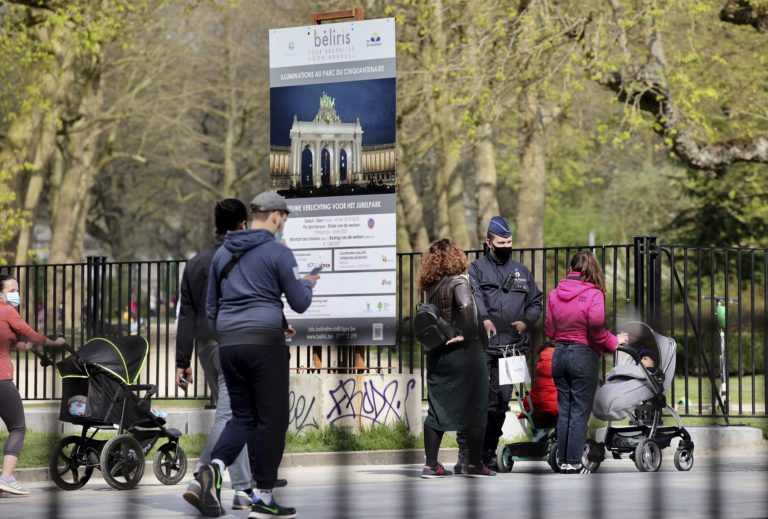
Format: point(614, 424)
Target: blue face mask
point(278, 235)
point(13, 298)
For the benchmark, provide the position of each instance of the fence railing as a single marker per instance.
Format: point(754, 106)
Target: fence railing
point(676, 289)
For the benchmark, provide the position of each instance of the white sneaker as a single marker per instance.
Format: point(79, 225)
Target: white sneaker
point(241, 501)
point(192, 494)
point(12, 486)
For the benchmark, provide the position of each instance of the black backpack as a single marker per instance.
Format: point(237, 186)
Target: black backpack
point(430, 328)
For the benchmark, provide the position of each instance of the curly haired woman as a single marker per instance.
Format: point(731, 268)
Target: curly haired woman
point(457, 379)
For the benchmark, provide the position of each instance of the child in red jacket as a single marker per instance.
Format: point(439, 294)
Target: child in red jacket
point(543, 395)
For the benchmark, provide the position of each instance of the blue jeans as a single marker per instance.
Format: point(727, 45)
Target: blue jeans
point(575, 368)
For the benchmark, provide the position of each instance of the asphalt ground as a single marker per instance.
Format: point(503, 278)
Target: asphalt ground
point(729, 483)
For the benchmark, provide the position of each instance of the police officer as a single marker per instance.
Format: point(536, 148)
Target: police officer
point(508, 302)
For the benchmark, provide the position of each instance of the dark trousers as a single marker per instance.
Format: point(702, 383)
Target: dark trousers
point(12, 413)
point(498, 405)
point(257, 382)
point(575, 368)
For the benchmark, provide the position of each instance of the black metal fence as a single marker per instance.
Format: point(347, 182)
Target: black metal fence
point(679, 290)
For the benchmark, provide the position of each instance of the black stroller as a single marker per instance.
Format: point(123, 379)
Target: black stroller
point(98, 392)
point(631, 390)
point(543, 443)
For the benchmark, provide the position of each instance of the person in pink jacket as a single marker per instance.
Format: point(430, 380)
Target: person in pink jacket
point(576, 322)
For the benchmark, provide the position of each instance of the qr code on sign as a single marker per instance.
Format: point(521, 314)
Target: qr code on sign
point(378, 331)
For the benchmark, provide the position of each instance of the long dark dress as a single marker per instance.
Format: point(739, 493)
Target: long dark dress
point(457, 377)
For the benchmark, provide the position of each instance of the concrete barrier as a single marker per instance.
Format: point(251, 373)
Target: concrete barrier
point(315, 401)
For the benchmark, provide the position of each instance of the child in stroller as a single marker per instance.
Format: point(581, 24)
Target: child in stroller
point(98, 392)
point(539, 409)
point(636, 388)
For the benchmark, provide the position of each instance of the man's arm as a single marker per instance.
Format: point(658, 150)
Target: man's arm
point(213, 294)
point(474, 280)
point(533, 303)
point(297, 289)
point(185, 332)
point(477, 293)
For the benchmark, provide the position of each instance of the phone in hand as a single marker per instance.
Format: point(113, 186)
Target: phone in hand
point(315, 271)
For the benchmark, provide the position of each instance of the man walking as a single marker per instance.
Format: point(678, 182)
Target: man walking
point(508, 303)
point(193, 329)
point(249, 275)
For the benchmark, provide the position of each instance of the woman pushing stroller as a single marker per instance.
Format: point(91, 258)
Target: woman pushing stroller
point(576, 322)
point(13, 332)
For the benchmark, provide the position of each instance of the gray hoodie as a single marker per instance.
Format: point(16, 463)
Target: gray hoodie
point(246, 306)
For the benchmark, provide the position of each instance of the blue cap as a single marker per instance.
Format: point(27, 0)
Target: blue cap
point(499, 227)
point(648, 353)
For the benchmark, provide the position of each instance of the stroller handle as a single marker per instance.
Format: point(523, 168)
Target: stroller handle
point(151, 389)
point(629, 351)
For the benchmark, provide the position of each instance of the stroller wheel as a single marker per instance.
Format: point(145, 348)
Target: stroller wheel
point(647, 455)
point(683, 460)
point(122, 462)
point(504, 459)
point(552, 457)
point(170, 463)
point(68, 464)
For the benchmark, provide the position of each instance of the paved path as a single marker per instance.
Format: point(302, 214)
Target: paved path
point(731, 484)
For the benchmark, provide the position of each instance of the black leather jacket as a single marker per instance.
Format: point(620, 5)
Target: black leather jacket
point(453, 298)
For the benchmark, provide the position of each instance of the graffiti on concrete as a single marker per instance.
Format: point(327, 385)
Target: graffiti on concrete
point(300, 415)
point(380, 403)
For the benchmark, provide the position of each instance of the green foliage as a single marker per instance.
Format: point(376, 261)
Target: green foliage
point(730, 207)
point(337, 439)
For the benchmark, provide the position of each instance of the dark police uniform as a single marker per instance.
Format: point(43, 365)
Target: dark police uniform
point(504, 293)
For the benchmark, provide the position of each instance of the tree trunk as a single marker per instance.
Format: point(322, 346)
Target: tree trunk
point(412, 217)
point(78, 162)
point(529, 220)
point(486, 179)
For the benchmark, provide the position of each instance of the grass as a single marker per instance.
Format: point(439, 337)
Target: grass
point(733, 388)
point(336, 439)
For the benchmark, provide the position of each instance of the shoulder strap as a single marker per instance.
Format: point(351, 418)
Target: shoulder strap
point(435, 288)
point(229, 266)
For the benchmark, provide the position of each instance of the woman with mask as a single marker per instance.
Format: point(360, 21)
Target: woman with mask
point(12, 328)
point(576, 321)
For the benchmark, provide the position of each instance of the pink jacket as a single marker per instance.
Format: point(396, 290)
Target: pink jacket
point(576, 313)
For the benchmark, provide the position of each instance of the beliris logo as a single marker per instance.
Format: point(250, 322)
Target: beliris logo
point(331, 37)
point(374, 40)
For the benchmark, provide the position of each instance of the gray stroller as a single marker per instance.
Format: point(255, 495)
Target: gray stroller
point(634, 391)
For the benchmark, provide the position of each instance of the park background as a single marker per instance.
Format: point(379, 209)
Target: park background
point(121, 122)
point(583, 123)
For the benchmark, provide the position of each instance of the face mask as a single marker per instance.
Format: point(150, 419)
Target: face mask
point(13, 298)
point(279, 236)
point(502, 253)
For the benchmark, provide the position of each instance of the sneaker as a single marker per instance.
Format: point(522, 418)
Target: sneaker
point(461, 462)
point(489, 459)
point(570, 468)
point(210, 491)
point(12, 486)
point(261, 510)
point(479, 472)
point(193, 493)
point(241, 501)
point(438, 471)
